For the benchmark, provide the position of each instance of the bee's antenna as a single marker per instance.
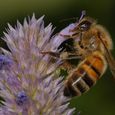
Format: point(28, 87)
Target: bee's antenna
point(82, 15)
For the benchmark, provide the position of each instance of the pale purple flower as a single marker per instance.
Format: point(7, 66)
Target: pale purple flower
point(27, 86)
point(5, 62)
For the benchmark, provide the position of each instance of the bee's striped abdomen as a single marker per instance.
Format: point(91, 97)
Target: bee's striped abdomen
point(85, 75)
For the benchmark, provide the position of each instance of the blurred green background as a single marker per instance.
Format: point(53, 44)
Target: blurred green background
point(100, 100)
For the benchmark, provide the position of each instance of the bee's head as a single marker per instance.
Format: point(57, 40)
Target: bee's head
point(84, 23)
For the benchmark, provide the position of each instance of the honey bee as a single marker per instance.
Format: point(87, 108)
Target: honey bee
point(91, 44)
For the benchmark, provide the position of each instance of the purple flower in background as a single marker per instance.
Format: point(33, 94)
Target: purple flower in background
point(27, 87)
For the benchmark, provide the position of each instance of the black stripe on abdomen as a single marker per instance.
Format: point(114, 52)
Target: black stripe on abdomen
point(79, 83)
point(81, 87)
point(88, 80)
point(93, 68)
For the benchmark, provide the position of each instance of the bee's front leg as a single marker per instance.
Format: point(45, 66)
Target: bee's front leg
point(53, 54)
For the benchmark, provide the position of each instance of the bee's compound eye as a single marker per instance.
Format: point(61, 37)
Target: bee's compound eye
point(85, 25)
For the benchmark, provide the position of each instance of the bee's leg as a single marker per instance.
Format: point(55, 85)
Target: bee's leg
point(74, 57)
point(53, 54)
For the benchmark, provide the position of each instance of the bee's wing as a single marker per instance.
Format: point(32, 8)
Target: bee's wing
point(111, 62)
point(109, 57)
